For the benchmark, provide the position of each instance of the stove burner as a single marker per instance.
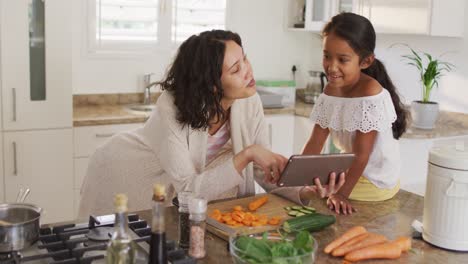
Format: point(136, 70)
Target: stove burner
point(85, 243)
point(100, 233)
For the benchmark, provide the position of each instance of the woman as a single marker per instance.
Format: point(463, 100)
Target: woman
point(206, 134)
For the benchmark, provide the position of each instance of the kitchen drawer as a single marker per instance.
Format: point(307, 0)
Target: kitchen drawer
point(81, 166)
point(87, 139)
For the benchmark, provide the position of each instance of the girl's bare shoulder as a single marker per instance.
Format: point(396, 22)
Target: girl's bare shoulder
point(369, 86)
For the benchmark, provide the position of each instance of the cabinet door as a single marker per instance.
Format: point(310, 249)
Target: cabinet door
point(43, 162)
point(448, 18)
point(2, 189)
point(36, 64)
point(281, 130)
point(317, 13)
point(398, 16)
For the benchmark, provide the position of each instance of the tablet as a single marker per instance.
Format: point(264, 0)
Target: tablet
point(301, 170)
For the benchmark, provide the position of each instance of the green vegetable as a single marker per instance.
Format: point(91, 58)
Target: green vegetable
point(310, 222)
point(293, 213)
point(262, 251)
point(299, 210)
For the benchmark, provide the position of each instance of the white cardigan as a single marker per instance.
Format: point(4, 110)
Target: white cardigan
point(165, 151)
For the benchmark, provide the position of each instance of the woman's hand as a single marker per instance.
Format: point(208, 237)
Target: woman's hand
point(340, 204)
point(323, 190)
point(271, 163)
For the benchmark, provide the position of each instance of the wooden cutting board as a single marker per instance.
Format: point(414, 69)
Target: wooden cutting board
point(274, 207)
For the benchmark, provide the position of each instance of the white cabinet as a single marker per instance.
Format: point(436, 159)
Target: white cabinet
point(21, 62)
point(41, 161)
point(2, 194)
point(419, 17)
point(302, 131)
point(36, 112)
point(281, 131)
point(414, 154)
point(424, 17)
point(314, 14)
point(86, 140)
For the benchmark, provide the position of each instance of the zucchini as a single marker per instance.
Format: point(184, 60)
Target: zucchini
point(310, 222)
point(287, 208)
point(293, 213)
point(306, 211)
point(309, 208)
point(299, 214)
point(296, 207)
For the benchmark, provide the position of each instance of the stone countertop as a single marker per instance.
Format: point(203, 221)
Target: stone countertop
point(391, 218)
point(107, 112)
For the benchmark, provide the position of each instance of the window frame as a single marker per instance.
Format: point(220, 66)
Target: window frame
point(136, 48)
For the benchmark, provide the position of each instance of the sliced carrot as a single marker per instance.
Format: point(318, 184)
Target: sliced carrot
point(255, 223)
point(216, 211)
point(404, 243)
point(238, 208)
point(236, 218)
point(258, 203)
point(273, 221)
point(352, 232)
point(368, 240)
point(387, 250)
point(226, 218)
point(247, 223)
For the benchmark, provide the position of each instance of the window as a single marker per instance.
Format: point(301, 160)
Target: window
point(194, 16)
point(142, 25)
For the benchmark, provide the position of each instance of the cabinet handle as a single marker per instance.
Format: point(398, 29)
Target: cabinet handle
point(15, 162)
point(270, 134)
point(13, 93)
point(104, 135)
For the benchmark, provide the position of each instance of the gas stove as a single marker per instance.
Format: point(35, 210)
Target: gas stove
point(86, 243)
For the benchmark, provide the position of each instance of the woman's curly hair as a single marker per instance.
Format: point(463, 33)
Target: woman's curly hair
point(194, 78)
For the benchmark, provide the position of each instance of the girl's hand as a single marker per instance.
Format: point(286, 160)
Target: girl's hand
point(340, 204)
point(324, 190)
point(271, 163)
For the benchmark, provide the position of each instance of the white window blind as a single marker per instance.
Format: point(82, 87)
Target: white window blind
point(194, 16)
point(146, 25)
point(127, 20)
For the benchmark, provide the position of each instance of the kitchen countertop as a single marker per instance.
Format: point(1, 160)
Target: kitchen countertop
point(391, 218)
point(108, 112)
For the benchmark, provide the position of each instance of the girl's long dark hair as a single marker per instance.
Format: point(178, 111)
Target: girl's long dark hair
point(194, 78)
point(360, 35)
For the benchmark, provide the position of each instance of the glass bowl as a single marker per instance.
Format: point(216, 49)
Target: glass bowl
point(241, 256)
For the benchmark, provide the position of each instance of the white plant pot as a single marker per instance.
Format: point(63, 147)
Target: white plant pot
point(424, 115)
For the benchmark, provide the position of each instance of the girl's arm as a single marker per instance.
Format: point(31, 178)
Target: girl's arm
point(316, 141)
point(362, 147)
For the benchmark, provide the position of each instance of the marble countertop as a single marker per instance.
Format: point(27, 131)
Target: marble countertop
point(107, 112)
point(391, 218)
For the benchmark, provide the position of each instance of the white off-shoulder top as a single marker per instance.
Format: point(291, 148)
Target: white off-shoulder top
point(344, 116)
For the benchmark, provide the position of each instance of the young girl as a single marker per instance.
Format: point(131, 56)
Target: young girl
point(361, 110)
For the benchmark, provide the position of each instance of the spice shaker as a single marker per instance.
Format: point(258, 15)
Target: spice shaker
point(184, 222)
point(197, 208)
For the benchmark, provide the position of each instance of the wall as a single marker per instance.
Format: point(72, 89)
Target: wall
point(271, 49)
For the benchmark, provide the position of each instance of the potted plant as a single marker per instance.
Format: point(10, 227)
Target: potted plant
point(424, 112)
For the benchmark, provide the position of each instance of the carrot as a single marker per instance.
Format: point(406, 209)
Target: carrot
point(257, 203)
point(352, 232)
point(404, 243)
point(387, 250)
point(369, 240)
point(238, 208)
